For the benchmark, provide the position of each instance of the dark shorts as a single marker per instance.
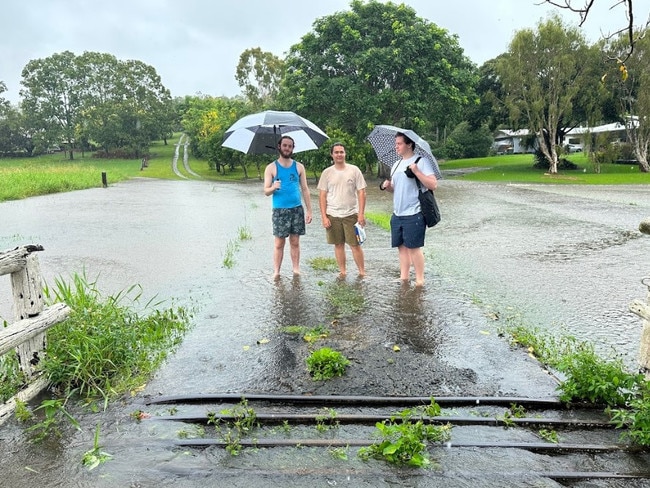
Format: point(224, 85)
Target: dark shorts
point(407, 231)
point(342, 230)
point(288, 221)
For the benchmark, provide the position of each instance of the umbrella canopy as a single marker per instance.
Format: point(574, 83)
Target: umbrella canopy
point(259, 133)
point(382, 140)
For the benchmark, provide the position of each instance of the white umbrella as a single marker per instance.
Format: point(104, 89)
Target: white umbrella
point(259, 133)
point(382, 140)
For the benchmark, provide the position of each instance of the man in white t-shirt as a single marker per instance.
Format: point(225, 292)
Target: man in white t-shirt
point(342, 200)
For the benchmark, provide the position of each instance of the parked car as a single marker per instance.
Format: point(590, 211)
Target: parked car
point(573, 148)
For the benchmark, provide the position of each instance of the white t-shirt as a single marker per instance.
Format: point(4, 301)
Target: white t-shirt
point(405, 190)
point(342, 187)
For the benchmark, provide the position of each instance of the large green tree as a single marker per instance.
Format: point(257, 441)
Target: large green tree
point(52, 97)
point(95, 96)
point(378, 63)
point(551, 82)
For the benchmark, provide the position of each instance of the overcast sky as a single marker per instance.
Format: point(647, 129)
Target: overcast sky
point(195, 45)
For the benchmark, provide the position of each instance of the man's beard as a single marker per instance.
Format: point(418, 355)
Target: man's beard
point(286, 154)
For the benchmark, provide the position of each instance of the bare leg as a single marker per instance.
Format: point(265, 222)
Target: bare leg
point(294, 246)
point(339, 254)
point(404, 262)
point(278, 254)
point(357, 255)
point(417, 256)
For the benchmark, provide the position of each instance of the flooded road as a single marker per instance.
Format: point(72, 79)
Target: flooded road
point(565, 259)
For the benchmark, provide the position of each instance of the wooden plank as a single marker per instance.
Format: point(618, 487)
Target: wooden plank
point(14, 260)
point(25, 329)
point(9, 407)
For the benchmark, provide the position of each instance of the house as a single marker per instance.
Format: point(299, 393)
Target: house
point(508, 141)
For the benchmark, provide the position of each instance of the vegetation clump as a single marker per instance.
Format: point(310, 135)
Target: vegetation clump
point(105, 347)
point(404, 437)
point(325, 363)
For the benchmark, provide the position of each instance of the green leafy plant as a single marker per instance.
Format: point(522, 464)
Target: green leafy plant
point(95, 456)
point(593, 379)
point(325, 363)
point(339, 452)
point(243, 423)
point(404, 440)
point(22, 411)
point(635, 417)
point(549, 435)
point(326, 420)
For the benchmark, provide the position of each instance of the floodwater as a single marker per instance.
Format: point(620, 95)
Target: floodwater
point(565, 259)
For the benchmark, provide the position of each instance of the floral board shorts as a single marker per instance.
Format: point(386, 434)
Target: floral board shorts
point(288, 221)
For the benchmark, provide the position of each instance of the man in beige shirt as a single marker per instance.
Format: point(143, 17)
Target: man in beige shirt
point(342, 200)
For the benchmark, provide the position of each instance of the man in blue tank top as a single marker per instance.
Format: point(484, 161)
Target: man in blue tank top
point(286, 180)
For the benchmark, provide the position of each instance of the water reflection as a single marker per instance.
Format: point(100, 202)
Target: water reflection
point(414, 322)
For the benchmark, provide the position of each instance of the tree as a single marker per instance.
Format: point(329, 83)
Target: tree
point(378, 64)
point(4, 104)
point(52, 97)
point(125, 104)
point(491, 109)
point(116, 104)
point(206, 122)
point(547, 76)
point(632, 94)
point(259, 75)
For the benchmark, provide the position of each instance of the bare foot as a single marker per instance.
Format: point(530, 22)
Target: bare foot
point(419, 283)
point(296, 272)
point(276, 276)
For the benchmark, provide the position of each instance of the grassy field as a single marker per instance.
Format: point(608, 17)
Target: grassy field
point(52, 173)
point(518, 168)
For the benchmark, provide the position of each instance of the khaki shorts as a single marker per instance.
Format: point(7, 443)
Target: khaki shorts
point(342, 230)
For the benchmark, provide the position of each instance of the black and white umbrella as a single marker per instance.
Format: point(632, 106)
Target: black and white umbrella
point(259, 133)
point(382, 140)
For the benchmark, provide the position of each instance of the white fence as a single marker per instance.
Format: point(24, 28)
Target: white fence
point(26, 335)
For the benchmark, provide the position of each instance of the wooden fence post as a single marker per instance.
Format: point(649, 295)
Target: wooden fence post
point(28, 302)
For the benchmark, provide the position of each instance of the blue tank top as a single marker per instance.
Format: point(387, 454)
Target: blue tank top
point(288, 196)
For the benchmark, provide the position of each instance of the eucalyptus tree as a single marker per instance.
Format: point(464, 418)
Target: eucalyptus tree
point(550, 83)
point(259, 74)
point(632, 95)
point(52, 97)
point(378, 63)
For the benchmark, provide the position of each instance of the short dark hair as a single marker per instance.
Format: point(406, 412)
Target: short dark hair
point(407, 140)
point(336, 144)
point(286, 137)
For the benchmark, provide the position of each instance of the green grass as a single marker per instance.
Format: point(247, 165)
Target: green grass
point(518, 168)
point(52, 173)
